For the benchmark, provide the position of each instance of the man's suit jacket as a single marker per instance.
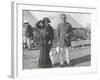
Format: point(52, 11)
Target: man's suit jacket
point(64, 33)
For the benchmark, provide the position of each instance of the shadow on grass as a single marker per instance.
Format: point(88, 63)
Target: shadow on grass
point(76, 61)
point(80, 60)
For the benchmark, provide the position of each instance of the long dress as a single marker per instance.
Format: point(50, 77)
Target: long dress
point(46, 36)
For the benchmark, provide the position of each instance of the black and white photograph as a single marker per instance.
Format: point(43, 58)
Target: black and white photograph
point(55, 39)
point(50, 40)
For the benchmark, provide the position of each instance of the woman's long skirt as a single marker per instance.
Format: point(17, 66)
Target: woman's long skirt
point(44, 59)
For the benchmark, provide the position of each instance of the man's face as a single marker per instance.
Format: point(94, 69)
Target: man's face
point(63, 18)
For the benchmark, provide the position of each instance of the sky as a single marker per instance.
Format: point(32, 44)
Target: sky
point(82, 19)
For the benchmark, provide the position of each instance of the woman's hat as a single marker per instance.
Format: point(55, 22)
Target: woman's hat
point(46, 19)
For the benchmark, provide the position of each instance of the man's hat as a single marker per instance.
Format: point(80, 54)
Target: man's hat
point(26, 22)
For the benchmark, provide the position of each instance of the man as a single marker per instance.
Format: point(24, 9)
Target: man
point(28, 33)
point(64, 33)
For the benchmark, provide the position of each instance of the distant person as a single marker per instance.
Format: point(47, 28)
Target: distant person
point(46, 37)
point(64, 33)
point(28, 33)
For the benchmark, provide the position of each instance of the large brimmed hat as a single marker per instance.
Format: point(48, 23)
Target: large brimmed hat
point(46, 19)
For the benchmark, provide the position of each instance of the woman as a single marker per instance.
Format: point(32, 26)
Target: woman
point(46, 37)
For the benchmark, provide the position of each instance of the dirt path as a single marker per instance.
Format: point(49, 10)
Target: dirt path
point(78, 57)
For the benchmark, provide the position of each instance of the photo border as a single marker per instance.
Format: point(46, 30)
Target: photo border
point(16, 67)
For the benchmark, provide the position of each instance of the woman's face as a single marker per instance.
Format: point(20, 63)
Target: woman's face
point(46, 23)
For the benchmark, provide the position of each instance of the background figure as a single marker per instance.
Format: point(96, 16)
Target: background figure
point(46, 37)
point(28, 34)
point(64, 33)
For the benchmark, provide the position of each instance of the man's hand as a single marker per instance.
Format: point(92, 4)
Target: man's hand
point(66, 35)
